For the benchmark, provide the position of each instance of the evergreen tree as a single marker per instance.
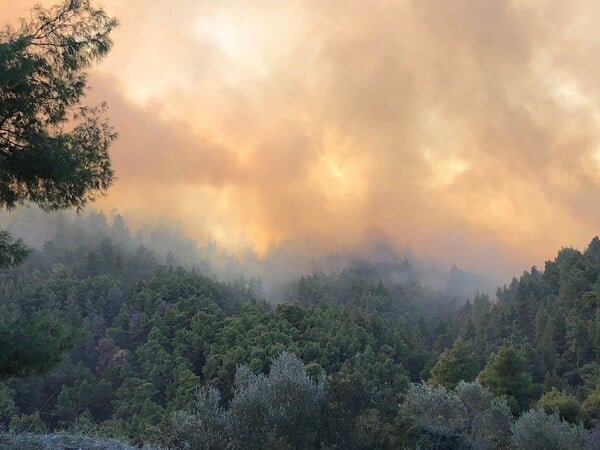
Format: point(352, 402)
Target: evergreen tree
point(563, 403)
point(506, 375)
point(460, 363)
point(53, 150)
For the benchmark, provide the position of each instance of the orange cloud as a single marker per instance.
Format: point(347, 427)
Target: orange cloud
point(467, 130)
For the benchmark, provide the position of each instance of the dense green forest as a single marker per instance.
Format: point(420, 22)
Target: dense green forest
point(113, 339)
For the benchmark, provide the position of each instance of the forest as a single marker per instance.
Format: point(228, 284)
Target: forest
point(104, 337)
point(111, 340)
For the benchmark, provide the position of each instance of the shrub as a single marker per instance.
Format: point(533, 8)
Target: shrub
point(468, 417)
point(536, 430)
point(565, 404)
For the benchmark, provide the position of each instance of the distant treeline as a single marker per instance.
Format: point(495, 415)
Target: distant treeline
point(98, 333)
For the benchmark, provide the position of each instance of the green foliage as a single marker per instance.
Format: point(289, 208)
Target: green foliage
point(143, 337)
point(209, 427)
point(590, 408)
point(147, 336)
point(283, 408)
point(460, 363)
point(506, 375)
point(467, 417)
point(32, 346)
point(536, 430)
point(12, 252)
point(287, 403)
point(363, 398)
point(563, 403)
point(28, 423)
point(53, 151)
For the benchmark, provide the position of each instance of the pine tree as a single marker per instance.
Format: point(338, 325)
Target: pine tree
point(53, 150)
point(506, 375)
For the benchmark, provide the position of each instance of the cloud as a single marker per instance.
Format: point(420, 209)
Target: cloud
point(467, 130)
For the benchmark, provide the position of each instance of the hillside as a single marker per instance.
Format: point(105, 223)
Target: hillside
point(123, 343)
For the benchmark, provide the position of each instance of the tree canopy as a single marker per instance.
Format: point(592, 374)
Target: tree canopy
point(99, 332)
point(148, 337)
point(53, 149)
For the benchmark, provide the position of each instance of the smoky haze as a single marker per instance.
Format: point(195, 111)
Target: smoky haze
point(273, 276)
point(464, 130)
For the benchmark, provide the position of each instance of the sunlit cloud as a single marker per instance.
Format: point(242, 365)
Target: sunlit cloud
point(467, 130)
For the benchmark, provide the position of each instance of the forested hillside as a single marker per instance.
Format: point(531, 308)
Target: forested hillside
point(296, 129)
point(127, 346)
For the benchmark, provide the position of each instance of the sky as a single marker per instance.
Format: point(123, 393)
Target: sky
point(466, 130)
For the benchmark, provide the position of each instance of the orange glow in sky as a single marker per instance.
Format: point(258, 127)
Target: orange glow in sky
point(467, 130)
